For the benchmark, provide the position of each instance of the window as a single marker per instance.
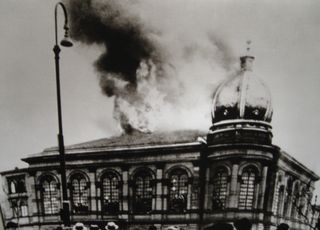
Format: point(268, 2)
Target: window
point(280, 200)
point(12, 187)
point(21, 188)
point(16, 185)
point(19, 207)
point(219, 193)
point(23, 208)
point(111, 194)
point(142, 192)
point(79, 193)
point(287, 197)
point(247, 188)
point(295, 202)
point(50, 195)
point(178, 190)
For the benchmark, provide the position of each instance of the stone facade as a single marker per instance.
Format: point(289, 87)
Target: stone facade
point(186, 178)
point(251, 180)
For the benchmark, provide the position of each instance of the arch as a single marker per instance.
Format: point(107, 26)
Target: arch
point(109, 170)
point(178, 189)
point(111, 191)
point(178, 166)
point(220, 187)
point(46, 174)
point(50, 194)
point(248, 181)
point(79, 187)
point(143, 190)
point(253, 165)
point(78, 172)
point(220, 166)
point(140, 169)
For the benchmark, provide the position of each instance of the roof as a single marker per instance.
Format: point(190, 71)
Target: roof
point(295, 163)
point(130, 141)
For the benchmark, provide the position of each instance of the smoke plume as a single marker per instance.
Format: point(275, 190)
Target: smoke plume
point(158, 64)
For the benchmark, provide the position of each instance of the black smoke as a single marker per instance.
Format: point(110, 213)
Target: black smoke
point(126, 44)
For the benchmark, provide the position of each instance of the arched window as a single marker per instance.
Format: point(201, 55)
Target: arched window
point(111, 193)
point(19, 207)
point(247, 188)
point(280, 200)
point(12, 187)
point(303, 205)
point(142, 192)
point(219, 193)
point(178, 190)
point(50, 195)
point(287, 197)
point(295, 201)
point(79, 191)
point(23, 208)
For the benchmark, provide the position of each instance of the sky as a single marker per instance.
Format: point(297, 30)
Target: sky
point(285, 39)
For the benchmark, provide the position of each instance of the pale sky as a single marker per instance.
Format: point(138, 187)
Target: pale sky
point(285, 36)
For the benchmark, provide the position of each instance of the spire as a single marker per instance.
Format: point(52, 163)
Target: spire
point(246, 61)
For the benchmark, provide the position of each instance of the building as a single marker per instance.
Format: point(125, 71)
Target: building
point(185, 178)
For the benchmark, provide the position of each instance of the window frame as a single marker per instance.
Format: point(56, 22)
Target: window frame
point(79, 193)
point(142, 205)
point(248, 188)
point(114, 206)
point(223, 187)
point(179, 204)
point(54, 210)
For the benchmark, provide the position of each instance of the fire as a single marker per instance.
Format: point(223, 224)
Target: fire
point(160, 76)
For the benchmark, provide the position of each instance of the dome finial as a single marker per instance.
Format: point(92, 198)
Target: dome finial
point(247, 60)
point(248, 46)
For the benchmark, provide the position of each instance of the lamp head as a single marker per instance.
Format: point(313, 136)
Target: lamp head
point(66, 42)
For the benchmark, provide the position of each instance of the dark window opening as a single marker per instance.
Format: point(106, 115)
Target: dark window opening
point(219, 193)
point(111, 193)
point(79, 194)
point(178, 190)
point(142, 192)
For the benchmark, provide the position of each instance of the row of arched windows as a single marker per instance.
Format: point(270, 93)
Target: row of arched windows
point(143, 191)
point(290, 199)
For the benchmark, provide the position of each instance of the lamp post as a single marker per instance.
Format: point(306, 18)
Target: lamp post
point(65, 212)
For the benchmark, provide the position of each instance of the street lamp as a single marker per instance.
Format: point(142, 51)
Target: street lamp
point(56, 49)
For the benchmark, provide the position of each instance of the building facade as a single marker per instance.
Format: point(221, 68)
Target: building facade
point(188, 178)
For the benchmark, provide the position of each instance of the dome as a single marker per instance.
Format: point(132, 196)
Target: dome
point(244, 96)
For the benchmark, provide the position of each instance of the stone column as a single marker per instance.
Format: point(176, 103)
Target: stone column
point(93, 192)
point(98, 195)
point(263, 187)
point(125, 189)
point(195, 188)
point(233, 198)
point(189, 193)
point(159, 176)
point(207, 191)
point(33, 200)
point(165, 193)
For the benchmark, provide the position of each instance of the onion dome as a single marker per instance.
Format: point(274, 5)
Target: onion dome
point(242, 109)
point(244, 96)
